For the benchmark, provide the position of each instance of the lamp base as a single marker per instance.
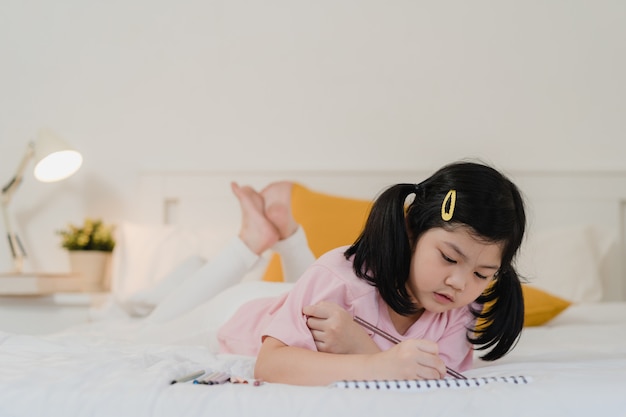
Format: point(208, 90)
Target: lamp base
point(33, 283)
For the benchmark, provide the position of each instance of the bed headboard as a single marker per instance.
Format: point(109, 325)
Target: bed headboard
point(203, 201)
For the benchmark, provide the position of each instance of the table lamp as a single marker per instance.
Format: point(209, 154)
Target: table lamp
point(54, 160)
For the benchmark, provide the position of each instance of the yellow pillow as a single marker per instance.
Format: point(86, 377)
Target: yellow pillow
point(333, 221)
point(540, 307)
point(328, 221)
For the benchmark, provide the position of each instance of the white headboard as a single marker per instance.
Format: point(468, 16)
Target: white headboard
point(203, 200)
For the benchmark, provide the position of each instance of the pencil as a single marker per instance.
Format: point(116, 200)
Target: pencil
point(395, 340)
point(188, 377)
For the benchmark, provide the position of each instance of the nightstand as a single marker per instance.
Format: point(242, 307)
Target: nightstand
point(44, 303)
point(32, 283)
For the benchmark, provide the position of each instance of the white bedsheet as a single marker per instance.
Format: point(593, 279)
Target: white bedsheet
point(577, 362)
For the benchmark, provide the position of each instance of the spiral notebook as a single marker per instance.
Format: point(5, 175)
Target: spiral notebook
point(429, 384)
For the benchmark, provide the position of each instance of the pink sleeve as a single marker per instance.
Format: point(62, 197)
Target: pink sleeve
point(454, 348)
point(288, 324)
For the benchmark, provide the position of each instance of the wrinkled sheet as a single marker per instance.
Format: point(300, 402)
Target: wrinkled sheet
point(577, 362)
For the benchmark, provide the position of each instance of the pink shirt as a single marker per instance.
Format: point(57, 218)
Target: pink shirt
point(331, 278)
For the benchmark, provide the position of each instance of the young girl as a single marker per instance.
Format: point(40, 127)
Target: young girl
point(419, 271)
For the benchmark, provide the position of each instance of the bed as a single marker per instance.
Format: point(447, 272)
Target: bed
point(120, 365)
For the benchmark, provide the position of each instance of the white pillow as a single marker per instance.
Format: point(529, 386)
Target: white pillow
point(566, 262)
point(142, 302)
point(145, 254)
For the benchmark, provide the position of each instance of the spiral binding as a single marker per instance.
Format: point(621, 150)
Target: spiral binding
point(428, 384)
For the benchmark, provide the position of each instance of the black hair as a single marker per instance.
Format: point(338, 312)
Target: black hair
point(489, 204)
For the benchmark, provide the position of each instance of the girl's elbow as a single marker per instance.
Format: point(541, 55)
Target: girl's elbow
point(259, 371)
point(263, 367)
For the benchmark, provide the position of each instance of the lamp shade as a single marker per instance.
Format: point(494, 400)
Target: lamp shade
point(54, 159)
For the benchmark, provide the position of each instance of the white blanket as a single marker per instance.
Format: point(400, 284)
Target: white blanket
point(577, 362)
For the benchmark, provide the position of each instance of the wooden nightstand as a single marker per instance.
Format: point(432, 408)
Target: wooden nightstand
point(31, 283)
point(44, 303)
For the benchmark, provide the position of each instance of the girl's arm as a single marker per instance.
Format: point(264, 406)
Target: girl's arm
point(411, 359)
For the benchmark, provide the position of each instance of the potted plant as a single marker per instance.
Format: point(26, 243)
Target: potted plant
point(89, 246)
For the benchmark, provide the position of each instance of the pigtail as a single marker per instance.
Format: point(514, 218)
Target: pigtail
point(382, 253)
point(501, 320)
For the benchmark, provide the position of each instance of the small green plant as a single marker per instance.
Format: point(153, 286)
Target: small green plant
point(93, 235)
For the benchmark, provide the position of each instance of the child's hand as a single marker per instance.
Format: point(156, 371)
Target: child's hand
point(334, 330)
point(410, 359)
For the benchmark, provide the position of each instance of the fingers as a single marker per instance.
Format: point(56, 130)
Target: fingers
point(326, 316)
point(421, 359)
point(431, 367)
point(322, 310)
point(427, 372)
point(319, 333)
point(430, 361)
point(314, 323)
point(310, 310)
point(333, 329)
point(427, 346)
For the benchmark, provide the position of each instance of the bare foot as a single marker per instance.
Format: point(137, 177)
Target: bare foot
point(257, 232)
point(277, 198)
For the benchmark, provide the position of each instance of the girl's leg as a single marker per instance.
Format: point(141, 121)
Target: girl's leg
point(256, 235)
point(221, 272)
point(293, 248)
point(295, 255)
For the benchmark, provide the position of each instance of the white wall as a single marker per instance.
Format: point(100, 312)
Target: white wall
point(282, 84)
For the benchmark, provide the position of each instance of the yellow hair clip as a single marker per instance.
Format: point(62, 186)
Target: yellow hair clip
point(446, 215)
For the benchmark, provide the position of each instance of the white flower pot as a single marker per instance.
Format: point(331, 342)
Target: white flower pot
point(93, 267)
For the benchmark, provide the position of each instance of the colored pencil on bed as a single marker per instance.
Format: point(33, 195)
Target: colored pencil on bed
point(395, 340)
point(188, 377)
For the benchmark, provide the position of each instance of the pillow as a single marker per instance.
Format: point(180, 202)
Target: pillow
point(143, 302)
point(540, 307)
point(566, 262)
point(145, 254)
point(563, 265)
point(328, 221)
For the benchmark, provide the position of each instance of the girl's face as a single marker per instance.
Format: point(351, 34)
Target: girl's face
point(451, 268)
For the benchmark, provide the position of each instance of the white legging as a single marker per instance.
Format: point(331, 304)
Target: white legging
point(227, 270)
